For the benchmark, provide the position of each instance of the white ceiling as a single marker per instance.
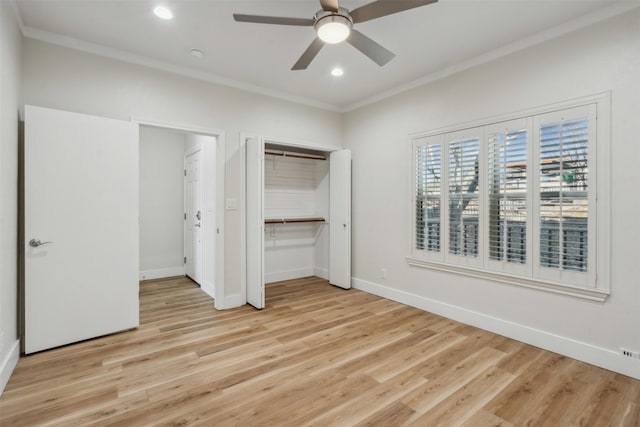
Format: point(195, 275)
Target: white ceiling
point(428, 41)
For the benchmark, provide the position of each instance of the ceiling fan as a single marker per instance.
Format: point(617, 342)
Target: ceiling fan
point(334, 24)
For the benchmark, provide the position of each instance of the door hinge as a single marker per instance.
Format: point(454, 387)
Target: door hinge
point(185, 215)
point(185, 260)
point(185, 172)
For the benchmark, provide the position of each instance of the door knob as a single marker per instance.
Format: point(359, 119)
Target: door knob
point(197, 225)
point(36, 242)
point(198, 215)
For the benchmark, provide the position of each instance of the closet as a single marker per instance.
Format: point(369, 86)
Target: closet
point(298, 215)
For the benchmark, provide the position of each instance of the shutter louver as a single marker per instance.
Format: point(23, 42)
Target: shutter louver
point(464, 178)
point(564, 205)
point(508, 196)
point(428, 194)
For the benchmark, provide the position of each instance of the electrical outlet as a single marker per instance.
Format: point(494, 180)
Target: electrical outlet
point(383, 273)
point(630, 353)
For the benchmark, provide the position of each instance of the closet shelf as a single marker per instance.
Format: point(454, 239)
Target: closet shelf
point(292, 220)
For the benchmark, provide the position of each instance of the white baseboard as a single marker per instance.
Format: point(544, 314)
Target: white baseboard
point(322, 273)
point(585, 352)
point(208, 288)
point(161, 273)
point(8, 365)
point(278, 276)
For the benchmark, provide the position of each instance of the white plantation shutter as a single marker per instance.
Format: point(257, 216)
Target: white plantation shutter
point(508, 194)
point(515, 201)
point(463, 196)
point(428, 195)
point(564, 201)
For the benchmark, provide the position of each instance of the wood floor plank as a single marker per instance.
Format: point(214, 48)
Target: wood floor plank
point(463, 403)
point(316, 355)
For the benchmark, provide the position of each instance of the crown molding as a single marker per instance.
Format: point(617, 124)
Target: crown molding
point(591, 18)
point(120, 55)
point(615, 9)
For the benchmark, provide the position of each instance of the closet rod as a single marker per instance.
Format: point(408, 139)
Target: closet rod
point(289, 220)
point(296, 155)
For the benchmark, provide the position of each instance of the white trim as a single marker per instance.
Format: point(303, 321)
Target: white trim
point(9, 364)
point(579, 350)
point(242, 150)
point(161, 273)
point(208, 288)
point(220, 247)
point(120, 55)
point(592, 294)
point(603, 99)
point(232, 301)
point(278, 276)
point(186, 127)
point(617, 8)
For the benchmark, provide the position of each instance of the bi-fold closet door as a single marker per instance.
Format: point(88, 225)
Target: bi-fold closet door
point(284, 215)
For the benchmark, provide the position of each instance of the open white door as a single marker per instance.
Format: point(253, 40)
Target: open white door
point(340, 219)
point(193, 215)
point(81, 227)
point(255, 221)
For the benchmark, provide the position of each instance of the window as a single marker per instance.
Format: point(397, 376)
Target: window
point(463, 196)
point(428, 173)
point(515, 200)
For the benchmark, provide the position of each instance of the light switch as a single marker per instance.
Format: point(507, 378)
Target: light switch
point(232, 204)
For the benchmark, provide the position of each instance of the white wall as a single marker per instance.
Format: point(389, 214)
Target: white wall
point(63, 78)
point(596, 59)
point(10, 100)
point(161, 203)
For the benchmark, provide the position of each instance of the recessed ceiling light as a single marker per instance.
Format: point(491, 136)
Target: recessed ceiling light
point(337, 72)
point(196, 53)
point(163, 12)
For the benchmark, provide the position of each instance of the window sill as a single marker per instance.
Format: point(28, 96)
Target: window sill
point(592, 294)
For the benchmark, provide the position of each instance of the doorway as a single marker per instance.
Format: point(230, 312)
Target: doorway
point(181, 216)
point(298, 214)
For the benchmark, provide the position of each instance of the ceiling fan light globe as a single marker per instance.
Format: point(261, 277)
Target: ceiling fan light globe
point(333, 29)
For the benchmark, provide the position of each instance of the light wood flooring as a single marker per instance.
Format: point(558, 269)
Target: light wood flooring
point(317, 355)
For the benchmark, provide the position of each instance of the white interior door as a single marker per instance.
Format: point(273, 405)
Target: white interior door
point(255, 221)
point(340, 219)
point(193, 215)
point(81, 227)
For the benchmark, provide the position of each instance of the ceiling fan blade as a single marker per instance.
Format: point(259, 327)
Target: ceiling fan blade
point(381, 8)
point(278, 20)
point(329, 5)
point(308, 55)
point(373, 50)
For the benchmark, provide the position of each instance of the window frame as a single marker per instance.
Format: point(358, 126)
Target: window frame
point(531, 275)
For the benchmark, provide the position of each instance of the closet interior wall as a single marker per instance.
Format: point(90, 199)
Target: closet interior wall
point(296, 188)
